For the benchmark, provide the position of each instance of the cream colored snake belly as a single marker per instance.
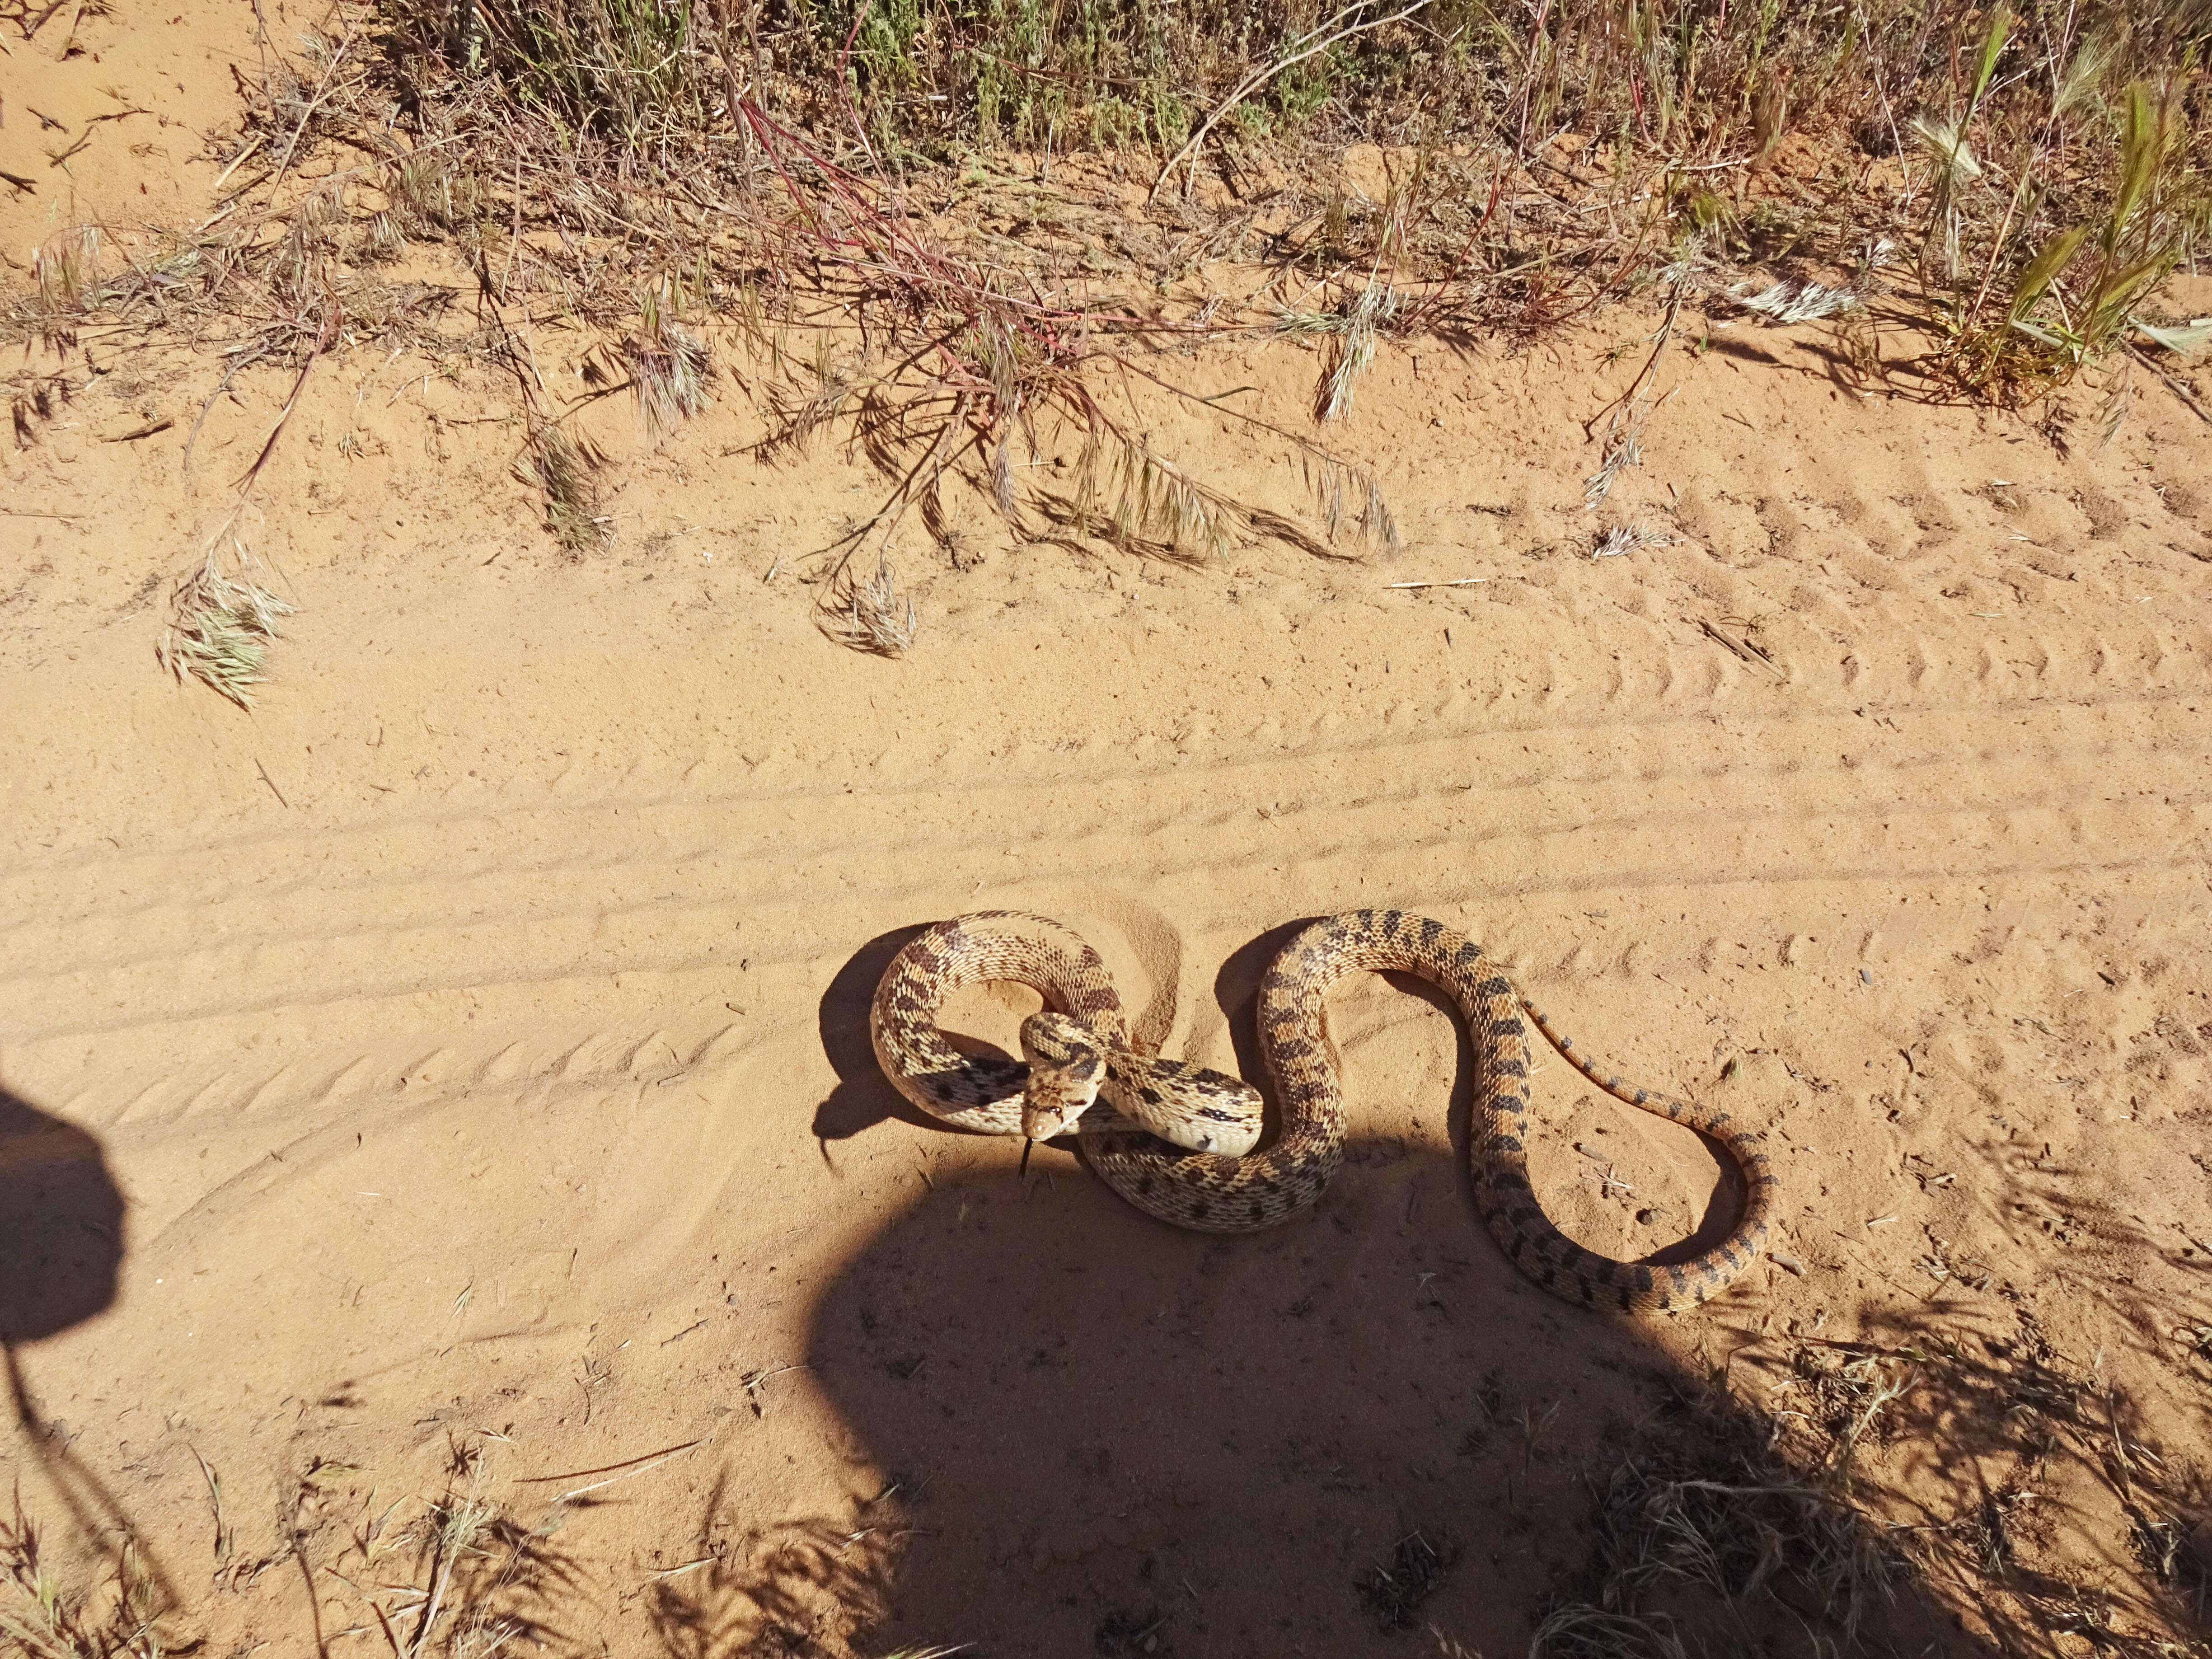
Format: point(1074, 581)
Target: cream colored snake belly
point(1212, 1192)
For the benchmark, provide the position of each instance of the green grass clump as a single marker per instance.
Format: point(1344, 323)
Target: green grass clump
point(618, 69)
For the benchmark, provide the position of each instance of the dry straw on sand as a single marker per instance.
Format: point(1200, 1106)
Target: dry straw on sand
point(816, 188)
point(222, 623)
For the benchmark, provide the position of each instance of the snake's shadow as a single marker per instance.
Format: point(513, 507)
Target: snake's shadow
point(861, 1099)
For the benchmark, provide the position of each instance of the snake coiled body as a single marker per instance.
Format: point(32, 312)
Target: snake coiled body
point(1213, 1193)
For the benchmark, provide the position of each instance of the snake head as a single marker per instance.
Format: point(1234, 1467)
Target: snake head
point(1068, 1062)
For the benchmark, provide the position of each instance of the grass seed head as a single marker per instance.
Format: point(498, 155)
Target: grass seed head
point(880, 616)
point(672, 368)
point(563, 470)
point(220, 630)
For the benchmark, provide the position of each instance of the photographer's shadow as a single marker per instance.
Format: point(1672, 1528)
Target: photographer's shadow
point(62, 1239)
point(61, 1224)
point(1078, 1430)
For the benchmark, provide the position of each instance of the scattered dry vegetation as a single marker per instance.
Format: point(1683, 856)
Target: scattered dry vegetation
point(43, 1616)
point(943, 232)
point(1791, 1513)
point(1885, 1490)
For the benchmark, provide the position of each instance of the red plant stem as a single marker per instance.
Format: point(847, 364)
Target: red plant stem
point(324, 338)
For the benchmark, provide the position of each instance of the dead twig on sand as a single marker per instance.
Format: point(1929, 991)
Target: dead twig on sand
point(2172, 385)
point(324, 339)
point(614, 1471)
point(1743, 647)
point(1624, 432)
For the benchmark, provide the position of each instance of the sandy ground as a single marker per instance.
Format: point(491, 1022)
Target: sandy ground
point(453, 1076)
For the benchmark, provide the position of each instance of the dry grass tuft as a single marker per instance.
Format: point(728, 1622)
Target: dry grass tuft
point(1801, 302)
point(1152, 503)
point(1577, 1631)
point(1352, 329)
point(42, 1620)
point(220, 625)
point(563, 470)
point(35, 404)
point(799, 1587)
point(871, 615)
point(1720, 1557)
point(1624, 539)
point(65, 266)
point(670, 367)
point(1395, 1591)
point(475, 1581)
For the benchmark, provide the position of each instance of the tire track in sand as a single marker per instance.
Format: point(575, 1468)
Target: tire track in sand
point(651, 894)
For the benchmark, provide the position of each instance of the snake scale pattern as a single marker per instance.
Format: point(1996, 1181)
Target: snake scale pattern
point(1214, 1192)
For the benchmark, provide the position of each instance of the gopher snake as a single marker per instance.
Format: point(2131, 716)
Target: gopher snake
point(1214, 1192)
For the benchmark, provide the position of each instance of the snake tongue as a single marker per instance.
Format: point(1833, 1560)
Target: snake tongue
point(1029, 1145)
